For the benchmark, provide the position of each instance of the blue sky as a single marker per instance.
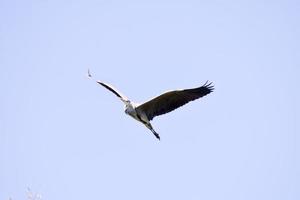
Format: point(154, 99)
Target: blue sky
point(65, 137)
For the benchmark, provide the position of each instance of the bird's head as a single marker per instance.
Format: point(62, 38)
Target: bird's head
point(128, 107)
point(127, 102)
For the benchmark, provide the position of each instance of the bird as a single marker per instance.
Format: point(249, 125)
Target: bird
point(89, 74)
point(162, 104)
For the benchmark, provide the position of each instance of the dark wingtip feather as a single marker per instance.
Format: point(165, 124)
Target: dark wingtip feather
point(109, 88)
point(209, 86)
point(104, 85)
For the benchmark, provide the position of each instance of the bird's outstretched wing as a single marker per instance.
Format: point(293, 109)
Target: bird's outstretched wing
point(113, 90)
point(169, 101)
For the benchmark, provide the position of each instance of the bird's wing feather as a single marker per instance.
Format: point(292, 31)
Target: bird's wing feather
point(169, 101)
point(113, 90)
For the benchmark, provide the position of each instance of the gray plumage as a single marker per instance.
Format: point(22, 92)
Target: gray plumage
point(161, 104)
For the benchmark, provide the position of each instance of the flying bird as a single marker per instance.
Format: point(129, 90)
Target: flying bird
point(89, 74)
point(161, 104)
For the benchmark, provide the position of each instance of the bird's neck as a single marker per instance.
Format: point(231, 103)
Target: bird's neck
point(130, 109)
point(129, 106)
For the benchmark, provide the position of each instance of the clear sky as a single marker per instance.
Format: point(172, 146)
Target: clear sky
point(66, 137)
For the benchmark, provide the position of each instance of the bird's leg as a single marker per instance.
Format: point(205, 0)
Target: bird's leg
point(146, 122)
point(148, 125)
point(155, 134)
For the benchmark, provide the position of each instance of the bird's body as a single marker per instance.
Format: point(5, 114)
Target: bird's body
point(131, 110)
point(161, 104)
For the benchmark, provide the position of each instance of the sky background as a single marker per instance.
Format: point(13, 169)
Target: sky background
point(65, 137)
